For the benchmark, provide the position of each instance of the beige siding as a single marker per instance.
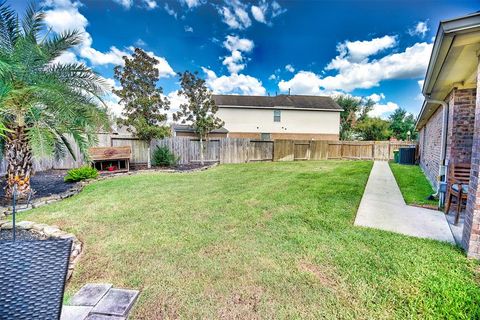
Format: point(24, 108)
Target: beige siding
point(292, 121)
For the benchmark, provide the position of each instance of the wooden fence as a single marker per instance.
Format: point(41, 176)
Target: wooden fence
point(233, 150)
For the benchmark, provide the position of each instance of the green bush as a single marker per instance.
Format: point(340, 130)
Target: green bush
point(82, 173)
point(162, 156)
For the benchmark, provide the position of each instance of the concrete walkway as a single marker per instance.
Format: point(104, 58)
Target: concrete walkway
point(382, 207)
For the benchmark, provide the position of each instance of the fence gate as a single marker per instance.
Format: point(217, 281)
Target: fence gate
point(301, 150)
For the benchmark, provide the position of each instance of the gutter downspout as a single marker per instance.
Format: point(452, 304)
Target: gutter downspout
point(443, 145)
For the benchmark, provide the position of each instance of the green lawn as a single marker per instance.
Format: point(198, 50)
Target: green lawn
point(413, 184)
point(259, 241)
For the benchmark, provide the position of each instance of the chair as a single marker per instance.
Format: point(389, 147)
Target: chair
point(32, 278)
point(458, 180)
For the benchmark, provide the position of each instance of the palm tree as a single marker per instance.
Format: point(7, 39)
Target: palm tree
point(43, 103)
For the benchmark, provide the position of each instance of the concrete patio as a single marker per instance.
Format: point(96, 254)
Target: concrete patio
point(383, 207)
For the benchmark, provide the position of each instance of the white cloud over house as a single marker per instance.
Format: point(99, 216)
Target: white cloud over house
point(235, 62)
point(233, 84)
point(352, 68)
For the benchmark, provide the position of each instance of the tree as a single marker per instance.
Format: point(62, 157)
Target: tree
point(401, 123)
point(354, 109)
point(200, 108)
point(43, 102)
point(373, 129)
point(143, 103)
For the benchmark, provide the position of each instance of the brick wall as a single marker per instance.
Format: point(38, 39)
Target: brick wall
point(471, 227)
point(431, 136)
point(460, 125)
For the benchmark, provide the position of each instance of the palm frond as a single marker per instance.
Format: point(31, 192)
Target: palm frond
point(57, 44)
point(32, 22)
point(9, 30)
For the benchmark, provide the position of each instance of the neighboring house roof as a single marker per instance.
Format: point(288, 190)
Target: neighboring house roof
point(453, 63)
point(300, 102)
point(190, 129)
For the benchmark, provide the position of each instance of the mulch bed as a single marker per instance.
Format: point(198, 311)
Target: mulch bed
point(44, 184)
point(19, 235)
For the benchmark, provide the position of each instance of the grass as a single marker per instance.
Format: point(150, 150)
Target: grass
point(259, 241)
point(413, 184)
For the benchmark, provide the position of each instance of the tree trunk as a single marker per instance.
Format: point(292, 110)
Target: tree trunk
point(149, 158)
point(19, 162)
point(201, 150)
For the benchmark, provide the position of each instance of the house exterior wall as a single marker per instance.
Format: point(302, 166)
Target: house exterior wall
point(460, 125)
point(294, 123)
point(471, 227)
point(431, 139)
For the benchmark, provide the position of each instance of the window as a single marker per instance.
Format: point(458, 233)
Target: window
point(265, 136)
point(277, 115)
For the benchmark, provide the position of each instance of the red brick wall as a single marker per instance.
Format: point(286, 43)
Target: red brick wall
point(460, 125)
point(471, 227)
point(431, 136)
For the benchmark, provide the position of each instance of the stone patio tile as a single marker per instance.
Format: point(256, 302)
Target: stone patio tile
point(75, 312)
point(90, 294)
point(116, 302)
point(96, 316)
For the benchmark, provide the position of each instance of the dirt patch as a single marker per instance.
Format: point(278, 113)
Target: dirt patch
point(244, 305)
point(323, 274)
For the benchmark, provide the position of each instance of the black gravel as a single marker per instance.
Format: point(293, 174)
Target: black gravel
point(7, 234)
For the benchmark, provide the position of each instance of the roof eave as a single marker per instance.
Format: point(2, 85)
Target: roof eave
point(277, 107)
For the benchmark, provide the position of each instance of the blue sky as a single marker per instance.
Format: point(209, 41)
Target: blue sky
point(378, 49)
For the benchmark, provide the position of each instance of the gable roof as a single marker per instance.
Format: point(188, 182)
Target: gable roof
point(300, 102)
point(453, 62)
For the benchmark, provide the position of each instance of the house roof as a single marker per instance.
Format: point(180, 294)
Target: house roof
point(453, 62)
point(187, 128)
point(300, 102)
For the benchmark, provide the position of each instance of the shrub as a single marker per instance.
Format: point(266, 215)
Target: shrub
point(82, 173)
point(162, 156)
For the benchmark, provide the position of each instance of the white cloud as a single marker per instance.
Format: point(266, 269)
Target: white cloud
point(304, 82)
point(235, 62)
point(264, 12)
point(127, 4)
point(350, 75)
point(233, 84)
point(191, 3)
point(420, 83)
point(272, 77)
point(420, 29)
point(289, 68)
point(383, 110)
point(170, 11)
point(258, 14)
point(63, 15)
point(235, 15)
point(151, 4)
point(188, 29)
point(66, 58)
point(376, 97)
point(357, 51)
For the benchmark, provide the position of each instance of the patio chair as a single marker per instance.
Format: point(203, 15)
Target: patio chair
point(32, 278)
point(458, 180)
